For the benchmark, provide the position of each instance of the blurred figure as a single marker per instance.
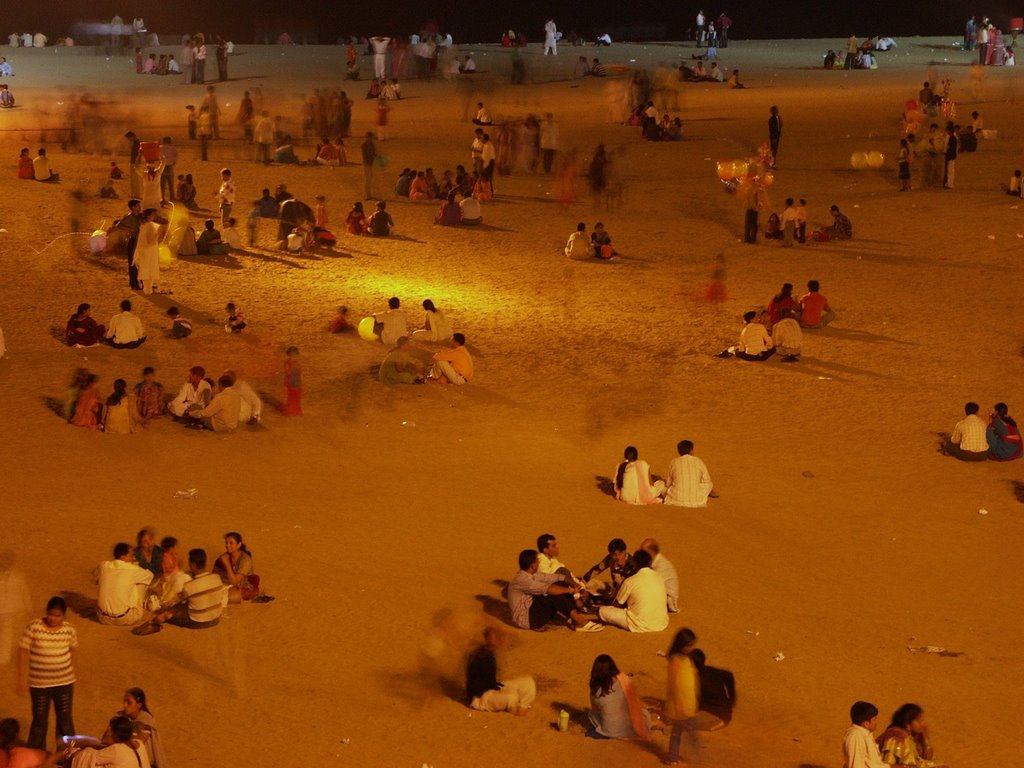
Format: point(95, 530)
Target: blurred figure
point(15, 601)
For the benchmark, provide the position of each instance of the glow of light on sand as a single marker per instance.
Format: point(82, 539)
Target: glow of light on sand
point(408, 288)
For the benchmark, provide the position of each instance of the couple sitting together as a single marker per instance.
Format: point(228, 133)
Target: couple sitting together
point(688, 485)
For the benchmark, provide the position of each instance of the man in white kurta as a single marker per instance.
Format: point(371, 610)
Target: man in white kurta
point(380, 52)
point(550, 38)
point(195, 391)
point(640, 605)
point(661, 566)
point(689, 483)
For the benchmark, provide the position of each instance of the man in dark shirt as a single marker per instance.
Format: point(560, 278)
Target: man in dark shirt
point(774, 133)
point(380, 223)
point(622, 567)
point(369, 157)
point(484, 691)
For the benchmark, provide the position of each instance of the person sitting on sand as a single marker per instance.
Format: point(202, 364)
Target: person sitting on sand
point(536, 599)
point(664, 568)
point(620, 565)
point(122, 587)
point(483, 117)
point(968, 441)
point(435, 324)
point(1004, 439)
point(450, 212)
point(25, 168)
point(454, 365)
point(120, 750)
point(602, 242)
point(842, 227)
point(195, 391)
point(399, 366)
point(210, 242)
point(186, 191)
point(236, 570)
point(82, 330)
point(715, 73)
point(181, 327)
point(689, 482)
point(418, 189)
point(905, 741)
point(88, 408)
point(6, 97)
point(633, 480)
point(355, 222)
point(616, 711)
point(41, 168)
point(120, 413)
point(340, 323)
point(200, 597)
point(859, 747)
point(579, 245)
point(235, 322)
point(787, 337)
point(15, 751)
point(224, 411)
point(149, 395)
point(380, 224)
point(483, 690)
point(755, 343)
point(640, 603)
point(734, 80)
point(393, 323)
point(471, 211)
point(780, 301)
point(125, 330)
point(814, 309)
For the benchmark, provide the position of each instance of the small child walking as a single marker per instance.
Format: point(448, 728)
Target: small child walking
point(292, 383)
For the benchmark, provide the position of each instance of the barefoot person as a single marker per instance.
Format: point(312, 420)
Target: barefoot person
point(454, 365)
point(485, 692)
point(536, 599)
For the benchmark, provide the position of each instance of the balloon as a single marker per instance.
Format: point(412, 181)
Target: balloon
point(724, 170)
point(98, 242)
point(769, 179)
point(859, 160)
point(365, 329)
point(165, 256)
point(740, 168)
point(875, 160)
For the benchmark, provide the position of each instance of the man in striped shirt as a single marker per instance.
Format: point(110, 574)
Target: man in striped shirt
point(46, 669)
point(689, 484)
point(202, 599)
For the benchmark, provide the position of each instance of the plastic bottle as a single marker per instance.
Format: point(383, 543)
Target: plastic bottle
point(563, 721)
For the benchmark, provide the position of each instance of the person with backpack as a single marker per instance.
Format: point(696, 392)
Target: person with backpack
point(699, 697)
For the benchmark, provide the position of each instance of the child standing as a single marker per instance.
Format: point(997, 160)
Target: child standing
point(149, 395)
point(236, 320)
point(904, 165)
point(293, 383)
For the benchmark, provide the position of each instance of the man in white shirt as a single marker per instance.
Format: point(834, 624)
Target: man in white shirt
point(969, 441)
point(550, 37)
point(226, 196)
point(579, 245)
point(469, 66)
point(689, 483)
point(787, 337)
point(125, 330)
point(701, 27)
point(394, 323)
point(471, 212)
point(547, 557)
point(661, 566)
point(195, 391)
point(483, 117)
point(755, 342)
point(223, 412)
point(641, 602)
point(123, 586)
point(380, 52)
point(252, 405)
point(859, 747)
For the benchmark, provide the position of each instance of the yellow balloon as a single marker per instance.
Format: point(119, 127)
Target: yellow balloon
point(859, 160)
point(165, 256)
point(876, 160)
point(365, 329)
point(724, 170)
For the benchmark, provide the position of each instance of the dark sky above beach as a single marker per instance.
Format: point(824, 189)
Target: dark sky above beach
point(482, 20)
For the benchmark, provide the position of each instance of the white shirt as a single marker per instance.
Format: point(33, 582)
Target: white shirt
point(689, 482)
point(227, 192)
point(643, 594)
point(191, 395)
point(470, 209)
point(970, 434)
point(488, 154)
point(549, 30)
point(121, 756)
point(483, 116)
point(547, 564)
point(380, 45)
point(787, 333)
point(119, 587)
point(395, 326)
point(700, 19)
point(860, 749)
point(252, 406)
point(125, 328)
point(661, 566)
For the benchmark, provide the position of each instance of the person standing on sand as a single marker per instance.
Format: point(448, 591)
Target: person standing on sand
point(369, 158)
point(380, 52)
point(46, 671)
point(724, 24)
point(774, 134)
point(755, 199)
point(701, 28)
point(483, 690)
point(550, 37)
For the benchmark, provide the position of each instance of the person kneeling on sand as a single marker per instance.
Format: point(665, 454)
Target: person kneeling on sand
point(579, 245)
point(968, 441)
point(535, 599)
point(787, 337)
point(485, 692)
point(399, 367)
point(454, 365)
point(641, 602)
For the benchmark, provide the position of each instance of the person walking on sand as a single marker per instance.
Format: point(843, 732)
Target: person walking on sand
point(485, 692)
point(369, 158)
point(774, 134)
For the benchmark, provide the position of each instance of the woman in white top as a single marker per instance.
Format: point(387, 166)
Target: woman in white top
point(147, 252)
point(633, 480)
point(435, 327)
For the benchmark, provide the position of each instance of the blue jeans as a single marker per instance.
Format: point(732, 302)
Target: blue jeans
point(689, 726)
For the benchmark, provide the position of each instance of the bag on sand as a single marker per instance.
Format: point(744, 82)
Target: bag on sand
point(188, 243)
point(717, 692)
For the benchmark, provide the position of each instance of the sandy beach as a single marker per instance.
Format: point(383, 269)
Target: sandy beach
point(385, 520)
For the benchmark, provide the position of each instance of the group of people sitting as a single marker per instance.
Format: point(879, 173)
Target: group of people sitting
point(974, 439)
point(126, 410)
point(654, 129)
point(597, 245)
point(635, 592)
point(688, 483)
point(402, 365)
point(779, 326)
point(698, 73)
point(424, 185)
point(389, 90)
point(165, 65)
point(151, 585)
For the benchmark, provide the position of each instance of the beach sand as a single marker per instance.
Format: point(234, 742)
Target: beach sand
point(385, 519)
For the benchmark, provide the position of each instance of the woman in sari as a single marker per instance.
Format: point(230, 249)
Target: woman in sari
point(905, 741)
point(82, 330)
point(1004, 439)
point(235, 569)
point(87, 405)
point(633, 480)
point(615, 708)
point(144, 730)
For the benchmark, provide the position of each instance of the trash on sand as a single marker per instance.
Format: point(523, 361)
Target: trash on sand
point(936, 649)
point(982, 511)
point(752, 632)
point(189, 493)
point(780, 656)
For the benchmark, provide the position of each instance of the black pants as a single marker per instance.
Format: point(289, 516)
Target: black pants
point(750, 227)
point(133, 271)
point(61, 697)
point(774, 142)
point(850, 58)
point(756, 358)
point(549, 159)
point(544, 608)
